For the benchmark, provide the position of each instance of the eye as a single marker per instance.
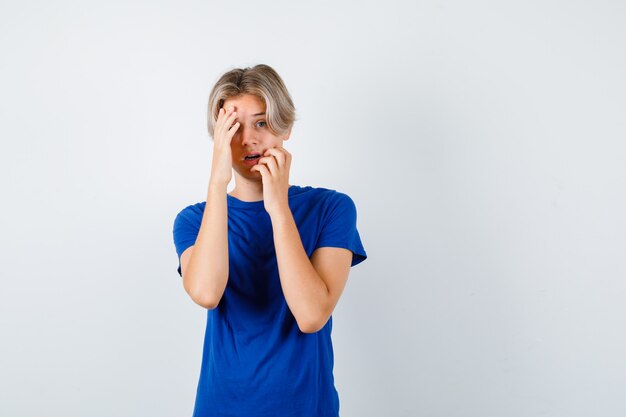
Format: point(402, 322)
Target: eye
point(261, 122)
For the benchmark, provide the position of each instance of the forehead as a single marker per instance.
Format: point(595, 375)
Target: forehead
point(245, 105)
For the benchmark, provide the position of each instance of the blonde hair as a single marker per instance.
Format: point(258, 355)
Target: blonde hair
point(261, 81)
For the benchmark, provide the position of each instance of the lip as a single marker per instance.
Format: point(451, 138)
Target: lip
point(253, 153)
point(252, 162)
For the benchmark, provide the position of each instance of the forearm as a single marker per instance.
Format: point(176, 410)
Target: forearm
point(207, 272)
point(305, 292)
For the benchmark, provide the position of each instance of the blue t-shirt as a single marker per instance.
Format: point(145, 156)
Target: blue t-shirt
point(256, 361)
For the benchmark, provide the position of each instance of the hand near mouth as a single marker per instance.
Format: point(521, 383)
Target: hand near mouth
point(274, 167)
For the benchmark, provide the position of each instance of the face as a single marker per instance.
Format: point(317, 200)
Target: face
point(253, 135)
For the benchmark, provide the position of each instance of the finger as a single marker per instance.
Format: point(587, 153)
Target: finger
point(262, 169)
point(285, 152)
point(288, 159)
point(280, 157)
point(287, 156)
point(221, 114)
point(271, 163)
point(224, 114)
point(228, 120)
point(233, 129)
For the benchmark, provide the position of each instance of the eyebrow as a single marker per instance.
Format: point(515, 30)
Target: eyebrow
point(258, 114)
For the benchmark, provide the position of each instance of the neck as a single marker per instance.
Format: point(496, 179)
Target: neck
point(248, 190)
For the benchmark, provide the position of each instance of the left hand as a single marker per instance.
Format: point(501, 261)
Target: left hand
point(274, 167)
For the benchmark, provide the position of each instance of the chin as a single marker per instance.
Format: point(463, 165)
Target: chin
point(250, 174)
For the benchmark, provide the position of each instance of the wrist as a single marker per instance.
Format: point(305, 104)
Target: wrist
point(281, 213)
point(218, 185)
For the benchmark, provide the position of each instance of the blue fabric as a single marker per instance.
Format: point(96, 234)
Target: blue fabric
point(256, 361)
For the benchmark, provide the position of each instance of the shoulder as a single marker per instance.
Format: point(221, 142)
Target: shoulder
point(334, 197)
point(329, 201)
point(192, 212)
point(328, 195)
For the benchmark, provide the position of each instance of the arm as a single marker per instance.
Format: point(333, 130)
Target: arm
point(312, 287)
point(205, 270)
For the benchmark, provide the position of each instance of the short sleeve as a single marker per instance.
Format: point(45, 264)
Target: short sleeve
point(339, 228)
point(185, 233)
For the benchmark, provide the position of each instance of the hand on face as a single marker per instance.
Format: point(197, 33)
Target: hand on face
point(274, 167)
point(222, 167)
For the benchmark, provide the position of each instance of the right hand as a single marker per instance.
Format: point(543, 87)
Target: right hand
point(222, 165)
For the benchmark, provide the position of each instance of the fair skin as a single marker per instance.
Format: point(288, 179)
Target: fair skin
point(312, 287)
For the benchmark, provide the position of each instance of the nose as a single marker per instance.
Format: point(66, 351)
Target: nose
point(247, 135)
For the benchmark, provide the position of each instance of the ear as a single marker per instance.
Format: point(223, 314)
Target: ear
point(286, 136)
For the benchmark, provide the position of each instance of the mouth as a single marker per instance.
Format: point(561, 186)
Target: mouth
point(251, 159)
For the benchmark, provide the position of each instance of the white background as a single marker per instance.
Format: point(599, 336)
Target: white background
point(482, 142)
